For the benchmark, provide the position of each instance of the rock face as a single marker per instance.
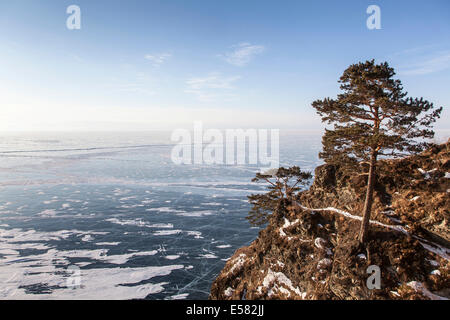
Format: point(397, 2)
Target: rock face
point(314, 254)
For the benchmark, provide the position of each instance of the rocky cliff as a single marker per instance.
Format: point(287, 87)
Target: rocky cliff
point(309, 249)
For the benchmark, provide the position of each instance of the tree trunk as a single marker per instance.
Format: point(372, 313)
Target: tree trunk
point(369, 199)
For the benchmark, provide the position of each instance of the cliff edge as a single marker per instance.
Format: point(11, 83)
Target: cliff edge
point(309, 248)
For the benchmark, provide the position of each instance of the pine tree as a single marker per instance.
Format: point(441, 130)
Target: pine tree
point(373, 118)
point(282, 185)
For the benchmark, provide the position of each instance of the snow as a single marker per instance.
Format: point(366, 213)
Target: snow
point(123, 258)
point(228, 292)
point(277, 281)
point(389, 212)
point(324, 263)
point(287, 224)
point(196, 234)
point(208, 256)
point(238, 262)
point(195, 213)
point(224, 246)
point(87, 238)
point(426, 173)
point(140, 223)
point(181, 296)
point(107, 243)
point(99, 283)
point(419, 287)
point(436, 272)
point(348, 215)
point(434, 263)
point(395, 293)
point(50, 268)
point(166, 232)
point(172, 257)
point(320, 243)
point(48, 213)
point(9, 252)
point(435, 248)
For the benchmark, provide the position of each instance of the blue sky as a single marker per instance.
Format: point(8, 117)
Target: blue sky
point(143, 65)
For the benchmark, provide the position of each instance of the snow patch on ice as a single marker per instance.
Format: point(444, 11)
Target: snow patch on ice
point(181, 296)
point(172, 257)
point(98, 283)
point(48, 213)
point(167, 232)
point(223, 246)
point(87, 238)
point(208, 256)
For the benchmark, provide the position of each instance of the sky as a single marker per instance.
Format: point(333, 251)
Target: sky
point(157, 65)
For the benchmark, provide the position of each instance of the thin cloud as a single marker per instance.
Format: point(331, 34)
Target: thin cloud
point(209, 87)
point(135, 88)
point(212, 81)
point(242, 54)
point(158, 59)
point(139, 84)
point(434, 64)
point(77, 58)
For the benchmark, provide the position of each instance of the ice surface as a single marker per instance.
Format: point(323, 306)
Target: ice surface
point(114, 205)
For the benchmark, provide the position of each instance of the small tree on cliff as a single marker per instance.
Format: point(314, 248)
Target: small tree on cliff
point(282, 185)
point(373, 118)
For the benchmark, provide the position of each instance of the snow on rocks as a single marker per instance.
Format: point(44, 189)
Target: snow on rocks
point(395, 293)
point(419, 287)
point(277, 282)
point(277, 264)
point(434, 263)
point(238, 263)
point(426, 173)
point(228, 292)
point(361, 256)
point(287, 224)
point(324, 263)
point(434, 247)
point(436, 272)
point(349, 215)
point(320, 244)
point(389, 212)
